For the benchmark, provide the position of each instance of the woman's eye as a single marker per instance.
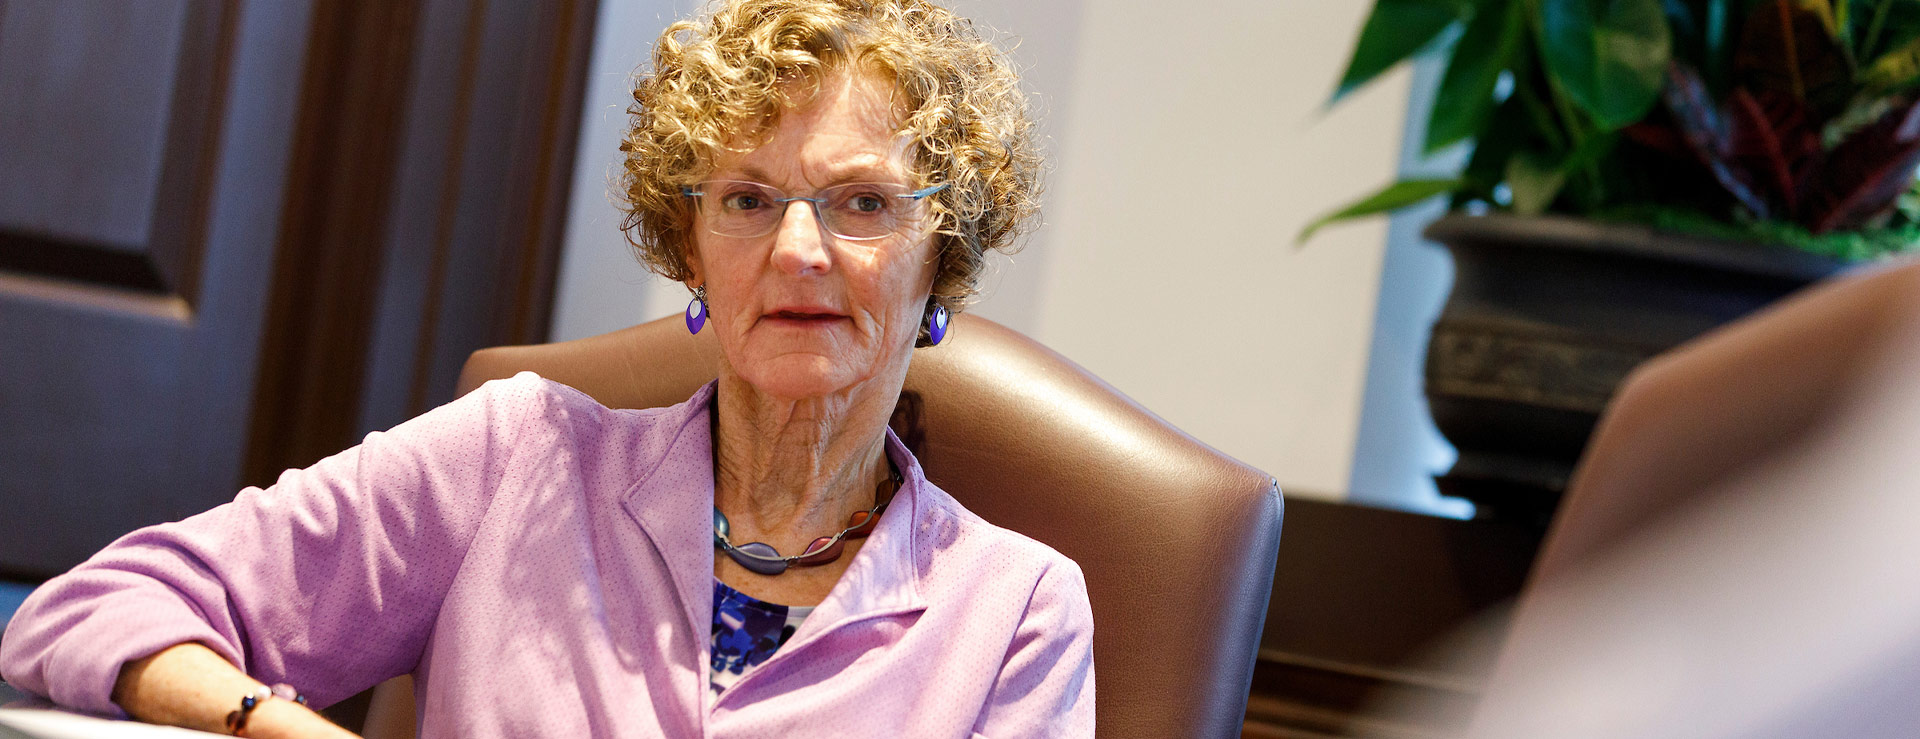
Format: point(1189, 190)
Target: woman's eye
point(741, 201)
point(868, 203)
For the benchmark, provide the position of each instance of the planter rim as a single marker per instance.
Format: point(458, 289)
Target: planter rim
point(1647, 242)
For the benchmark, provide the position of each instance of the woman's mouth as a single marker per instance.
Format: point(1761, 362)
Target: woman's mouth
point(804, 318)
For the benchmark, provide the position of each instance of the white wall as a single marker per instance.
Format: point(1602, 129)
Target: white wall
point(1190, 144)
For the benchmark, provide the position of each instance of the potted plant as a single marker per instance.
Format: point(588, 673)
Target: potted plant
point(1642, 171)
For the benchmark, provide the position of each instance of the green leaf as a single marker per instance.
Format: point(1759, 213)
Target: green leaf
point(1509, 129)
point(1394, 31)
point(1465, 98)
point(1609, 56)
point(1851, 246)
point(1590, 151)
point(1589, 190)
point(1883, 26)
point(1535, 180)
point(1863, 113)
point(1894, 71)
point(1393, 197)
point(1823, 9)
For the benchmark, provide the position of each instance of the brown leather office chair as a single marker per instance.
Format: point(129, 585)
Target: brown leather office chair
point(1177, 540)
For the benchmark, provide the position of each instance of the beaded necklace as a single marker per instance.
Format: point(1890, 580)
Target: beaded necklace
point(761, 558)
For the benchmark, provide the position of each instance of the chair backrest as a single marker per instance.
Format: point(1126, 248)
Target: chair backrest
point(1176, 539)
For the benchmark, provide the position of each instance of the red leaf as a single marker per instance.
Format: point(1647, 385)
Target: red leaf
point(1708, 135)
point(1785, 49)
point(1659, 138)
point(1773, 143)
point(1865, 174)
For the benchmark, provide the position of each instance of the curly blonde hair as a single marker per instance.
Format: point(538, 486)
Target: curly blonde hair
point(719, 82)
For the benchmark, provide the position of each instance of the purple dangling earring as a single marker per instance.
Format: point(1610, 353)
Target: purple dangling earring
point(936, 324)
point(697, 310)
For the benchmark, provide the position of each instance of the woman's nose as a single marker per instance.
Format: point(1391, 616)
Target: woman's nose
point(800, 243)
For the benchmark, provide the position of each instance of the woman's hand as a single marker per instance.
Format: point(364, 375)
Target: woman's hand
point(192, 686)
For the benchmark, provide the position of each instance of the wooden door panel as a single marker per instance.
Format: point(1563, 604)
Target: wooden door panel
point(78, 432)
point(107, 127)
point(88, 87)
point(236, 235)
point(142, 148)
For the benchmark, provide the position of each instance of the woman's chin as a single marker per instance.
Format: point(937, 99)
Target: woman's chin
point(796, 376)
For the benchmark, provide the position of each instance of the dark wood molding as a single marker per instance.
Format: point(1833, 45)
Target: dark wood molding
point(1382, 623)
point(554, 140)
point(480, 197)
point(319, 314)
point(63, 259)
point(1311, 697)
point(432, 169)
point(496, 245)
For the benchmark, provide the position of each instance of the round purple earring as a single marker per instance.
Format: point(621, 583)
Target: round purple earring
point(697, 310)
point(936, 324)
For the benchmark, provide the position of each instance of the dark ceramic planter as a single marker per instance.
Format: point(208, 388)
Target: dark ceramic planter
point(1546, 318)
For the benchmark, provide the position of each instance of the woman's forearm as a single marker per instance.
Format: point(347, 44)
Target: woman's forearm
point(192, 686)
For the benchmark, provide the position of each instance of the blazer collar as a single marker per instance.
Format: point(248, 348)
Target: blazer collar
point(676, 511)
point(677, 516)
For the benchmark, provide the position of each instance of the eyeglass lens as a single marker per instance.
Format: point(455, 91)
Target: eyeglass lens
point(858, 211)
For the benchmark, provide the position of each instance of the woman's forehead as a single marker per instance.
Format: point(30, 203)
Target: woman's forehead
point(845, 130)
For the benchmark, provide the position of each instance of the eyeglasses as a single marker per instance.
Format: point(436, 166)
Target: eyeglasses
point(859, 211)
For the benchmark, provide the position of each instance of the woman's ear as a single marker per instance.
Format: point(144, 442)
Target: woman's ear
point(696, 272)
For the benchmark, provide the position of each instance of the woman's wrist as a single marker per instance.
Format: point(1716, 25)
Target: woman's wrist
point(238, 718)
point(284, 719)
point(192, 686)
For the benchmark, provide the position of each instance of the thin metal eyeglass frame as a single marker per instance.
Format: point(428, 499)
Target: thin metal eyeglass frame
point(819, 216)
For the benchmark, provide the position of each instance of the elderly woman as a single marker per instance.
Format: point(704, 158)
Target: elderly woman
point(765, 559)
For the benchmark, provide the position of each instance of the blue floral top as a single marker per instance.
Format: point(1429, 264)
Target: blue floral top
point(746, 632)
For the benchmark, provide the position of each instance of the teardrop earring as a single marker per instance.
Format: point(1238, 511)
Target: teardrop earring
point(936, 324)
point(697, 310)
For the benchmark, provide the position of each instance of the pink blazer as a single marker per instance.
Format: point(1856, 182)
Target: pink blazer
point(544, 567)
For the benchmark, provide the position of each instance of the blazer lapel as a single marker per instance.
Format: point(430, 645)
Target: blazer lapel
point(676, 511)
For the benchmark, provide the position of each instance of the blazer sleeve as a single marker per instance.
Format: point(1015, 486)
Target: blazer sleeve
point(1045, 687)
point(329, 580)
